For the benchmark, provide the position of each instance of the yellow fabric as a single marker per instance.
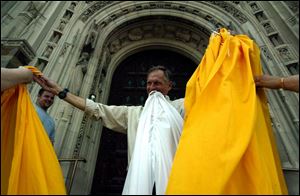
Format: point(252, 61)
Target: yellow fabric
point(227, 145)
point(28, 162)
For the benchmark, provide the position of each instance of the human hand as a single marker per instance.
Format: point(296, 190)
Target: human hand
point(47, 84)
point(26, 74)
point(267, 81)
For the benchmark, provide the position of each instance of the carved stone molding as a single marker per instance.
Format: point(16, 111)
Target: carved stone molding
point(285, 54)
point(15, 49)
point(80, 136)
point(231, 10)
point(161, 5)
point(265, 51)
point(92, 9)
point(292, 20)
point(167, 28)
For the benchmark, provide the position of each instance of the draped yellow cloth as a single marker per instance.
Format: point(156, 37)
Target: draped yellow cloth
point(227, 145)
point(28, 161)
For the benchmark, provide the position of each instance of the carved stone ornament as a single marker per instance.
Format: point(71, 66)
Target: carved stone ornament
point(285, 54)
point(92, 9)
point(135, 34)
point(163, 29)
point(266, 53)
point(229, 8)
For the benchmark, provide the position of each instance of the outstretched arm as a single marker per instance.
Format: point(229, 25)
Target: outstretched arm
point(53, 87)
point(290, 83)
point(14, 76)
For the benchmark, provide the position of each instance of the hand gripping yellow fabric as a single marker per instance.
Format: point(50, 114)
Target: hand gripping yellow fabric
point(227, 145)
point(28, 162)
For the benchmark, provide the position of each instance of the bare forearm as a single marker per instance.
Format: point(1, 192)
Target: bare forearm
point(12, 77)
point(72, 99)
point(274, 82)
point(291, 83)
point(76, 101)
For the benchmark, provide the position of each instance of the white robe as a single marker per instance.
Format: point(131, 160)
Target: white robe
point(124, 119)
point(157, 138)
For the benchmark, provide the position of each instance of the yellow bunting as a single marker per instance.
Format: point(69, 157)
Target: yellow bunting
point(29, 164)
point(227, 145)
point(34, 70)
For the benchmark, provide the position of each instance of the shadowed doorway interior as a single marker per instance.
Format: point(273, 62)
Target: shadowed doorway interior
point(129, 88)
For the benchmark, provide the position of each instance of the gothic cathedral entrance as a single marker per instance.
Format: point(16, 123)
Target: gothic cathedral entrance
point(129, 88)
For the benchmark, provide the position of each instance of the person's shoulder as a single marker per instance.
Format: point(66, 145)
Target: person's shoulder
point(180, 100)
point(92, 104)
point(38, 108)
point(138, 107)
point(178, 103)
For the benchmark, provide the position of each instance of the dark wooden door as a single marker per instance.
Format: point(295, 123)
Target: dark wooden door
point(129, 88)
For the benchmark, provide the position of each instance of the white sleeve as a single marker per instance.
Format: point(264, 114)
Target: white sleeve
point(113, 117)
point(179, 106)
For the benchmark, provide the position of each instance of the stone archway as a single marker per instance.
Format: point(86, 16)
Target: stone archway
point(172, 33)
point(125, 29)
point(114, 30)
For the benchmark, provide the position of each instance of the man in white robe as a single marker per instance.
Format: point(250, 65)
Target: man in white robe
point(157, 136)
point(161, 128)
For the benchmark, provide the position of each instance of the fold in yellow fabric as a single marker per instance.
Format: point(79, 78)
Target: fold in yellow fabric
point(29, 164)
point(227, 145)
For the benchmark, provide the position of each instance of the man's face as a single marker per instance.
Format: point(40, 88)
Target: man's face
point(157, 81)
point(45, 100)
